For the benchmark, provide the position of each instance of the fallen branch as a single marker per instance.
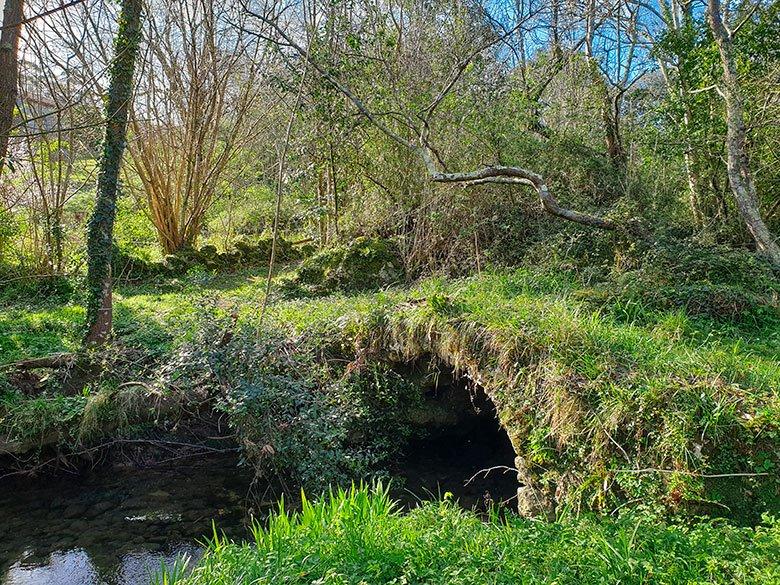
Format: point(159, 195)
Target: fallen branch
point(58, 360)
point(520, 176)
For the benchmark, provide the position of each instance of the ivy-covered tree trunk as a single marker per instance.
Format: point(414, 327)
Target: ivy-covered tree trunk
point(741, 179)
point(101, 224)
point(9, 70)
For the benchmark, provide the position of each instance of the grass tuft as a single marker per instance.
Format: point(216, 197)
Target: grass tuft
point(358, 536)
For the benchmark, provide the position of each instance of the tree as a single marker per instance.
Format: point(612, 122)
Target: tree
point(420, 125)
point(101, 225)
point(740, 177)
point(194, 113)
point(9, 70)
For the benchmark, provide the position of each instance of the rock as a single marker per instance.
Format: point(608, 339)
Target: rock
point(78, 527)
point(75, 510)
point(99, 509)
point(159, 495)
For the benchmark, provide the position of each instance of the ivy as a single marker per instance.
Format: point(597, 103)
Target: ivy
point(101, 225)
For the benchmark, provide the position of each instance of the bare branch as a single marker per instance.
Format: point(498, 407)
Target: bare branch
point(495, 174)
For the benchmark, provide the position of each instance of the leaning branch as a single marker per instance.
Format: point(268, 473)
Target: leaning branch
point(519, 176)
point(495, 174)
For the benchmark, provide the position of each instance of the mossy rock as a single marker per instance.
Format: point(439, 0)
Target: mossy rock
point(177, 263)
point(256, 251)
point(208, 252)
point(363, 264)
point(246, 251)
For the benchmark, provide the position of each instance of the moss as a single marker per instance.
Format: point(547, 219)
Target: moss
point(587, 397)
point(363, 264)
point(246, 253)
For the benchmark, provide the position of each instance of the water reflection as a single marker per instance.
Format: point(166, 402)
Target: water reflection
point(115, 526)
point(75, 567)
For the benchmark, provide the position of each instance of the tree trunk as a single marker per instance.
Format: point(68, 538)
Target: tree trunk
point(610, 114)
point(101, 225)
point(9, 71)
point(335, 191)
point(694, 183)
point(740, 177)
point(322, 208)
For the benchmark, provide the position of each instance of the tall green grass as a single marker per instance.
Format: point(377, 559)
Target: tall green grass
point(360, 536)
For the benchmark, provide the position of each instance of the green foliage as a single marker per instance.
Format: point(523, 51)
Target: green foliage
point(718, 282)
point(55, 420)
point(360, 536)
point(8, 229)
point(36, 419)
point(588, 380)
point(16, 286)
point(300, 421)
point(363, 264)
point(29, 332)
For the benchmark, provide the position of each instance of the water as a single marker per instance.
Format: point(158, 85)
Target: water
point(115, 526)
point(453, 462)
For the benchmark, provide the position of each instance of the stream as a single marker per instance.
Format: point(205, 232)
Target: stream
point(116, 525)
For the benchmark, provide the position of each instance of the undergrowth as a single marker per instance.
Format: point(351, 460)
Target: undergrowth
point(608, 397)
point(359, 536)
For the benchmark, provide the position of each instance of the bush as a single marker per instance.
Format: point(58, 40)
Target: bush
point(719, 282)
point(301, 421)
point(16, 285)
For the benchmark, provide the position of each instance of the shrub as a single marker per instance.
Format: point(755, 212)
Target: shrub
point(300, 420)
point(17, 285)
point(718, 282)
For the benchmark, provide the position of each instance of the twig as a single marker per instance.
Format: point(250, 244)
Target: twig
point(280, 192)
point(487, 471)
point(204, 449)
point(43, 14)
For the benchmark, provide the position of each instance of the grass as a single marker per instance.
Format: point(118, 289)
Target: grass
point(153, 316)
point(360, 537)
point(589, 394)
point(544, 306)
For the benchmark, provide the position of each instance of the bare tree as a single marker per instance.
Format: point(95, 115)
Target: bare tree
point(193, 113)
point(53, 142)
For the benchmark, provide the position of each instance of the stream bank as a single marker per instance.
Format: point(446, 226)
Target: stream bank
point(667, 409)
point(118, 523)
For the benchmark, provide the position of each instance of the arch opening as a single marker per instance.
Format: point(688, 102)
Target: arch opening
point(459, 446)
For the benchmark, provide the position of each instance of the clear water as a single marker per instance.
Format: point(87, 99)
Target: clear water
point(116, 525)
